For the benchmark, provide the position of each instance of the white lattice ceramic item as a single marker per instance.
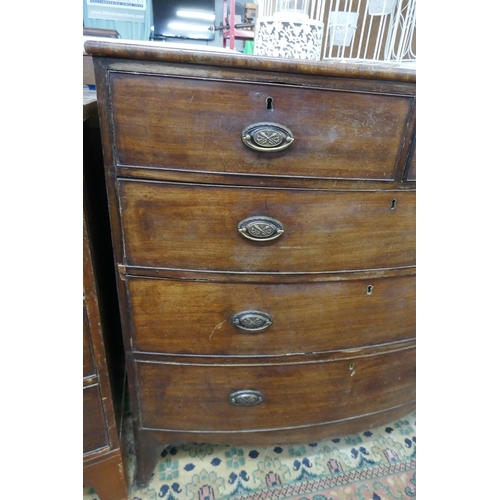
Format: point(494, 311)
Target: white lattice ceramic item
point(291, 38)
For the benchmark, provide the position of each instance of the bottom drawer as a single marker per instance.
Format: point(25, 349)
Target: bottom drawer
point(95, 435)
point(243, 397)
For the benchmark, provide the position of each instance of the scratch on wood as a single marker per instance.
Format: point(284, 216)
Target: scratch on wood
point(191, 100)
point(216, 328)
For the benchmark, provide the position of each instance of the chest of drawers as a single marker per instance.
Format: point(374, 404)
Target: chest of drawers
point(103, 363)
point(263, 222)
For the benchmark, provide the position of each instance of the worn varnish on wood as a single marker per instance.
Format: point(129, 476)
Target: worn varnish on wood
point(318, 392)
point(263, 220)
point(195, 227)
point(337, 134)
point(306, 317)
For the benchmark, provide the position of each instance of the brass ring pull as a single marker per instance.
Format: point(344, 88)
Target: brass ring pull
point(260, 228)
point(246, 398)
point(252, 321)
point(267, 137)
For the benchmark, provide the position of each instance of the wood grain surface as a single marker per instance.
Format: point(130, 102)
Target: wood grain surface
point(337, 134)
point(94, 425)
point(195, 227)
point(196, 397)
point(194, 318)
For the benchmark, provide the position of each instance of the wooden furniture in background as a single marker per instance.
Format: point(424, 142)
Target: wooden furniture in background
point(103, 360)
point(88, 67)
point(264, 236)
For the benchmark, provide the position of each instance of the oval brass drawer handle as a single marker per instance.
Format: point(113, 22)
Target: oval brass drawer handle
point(267, 137)
point(260, 228)
point(246, 398)
point(252, 321)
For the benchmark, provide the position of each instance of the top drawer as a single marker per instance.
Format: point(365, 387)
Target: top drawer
point(191, 124)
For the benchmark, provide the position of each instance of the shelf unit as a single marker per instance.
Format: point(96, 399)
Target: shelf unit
point(230, 30)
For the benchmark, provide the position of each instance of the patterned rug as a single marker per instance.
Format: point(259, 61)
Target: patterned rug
point(374, 465)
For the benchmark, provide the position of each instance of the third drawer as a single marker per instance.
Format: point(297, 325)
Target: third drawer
point(226, 319)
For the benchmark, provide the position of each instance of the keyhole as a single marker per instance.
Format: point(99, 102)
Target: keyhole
point(369, 289)
point(270, 104)
point(393, 204)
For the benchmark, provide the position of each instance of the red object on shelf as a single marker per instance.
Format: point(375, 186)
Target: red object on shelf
point(228, 20)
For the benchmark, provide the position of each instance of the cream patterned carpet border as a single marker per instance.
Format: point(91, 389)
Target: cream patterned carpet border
point(374, 465)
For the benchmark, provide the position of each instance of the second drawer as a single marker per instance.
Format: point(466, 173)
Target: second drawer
point(208, 318)
point(218, 228)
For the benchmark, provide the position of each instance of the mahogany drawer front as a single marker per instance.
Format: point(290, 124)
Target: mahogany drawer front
point(88, 358)
point(186, 226)
point(95, 435)
point(198, 397)
point(202, 318)
point(194, 124)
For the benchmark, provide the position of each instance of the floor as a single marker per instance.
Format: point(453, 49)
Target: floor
point(378, 464)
